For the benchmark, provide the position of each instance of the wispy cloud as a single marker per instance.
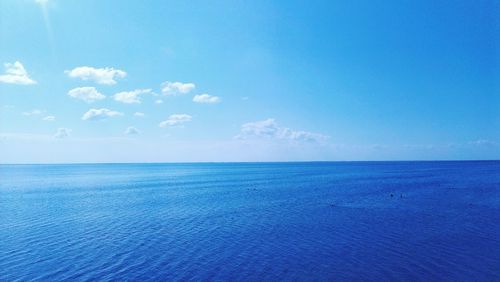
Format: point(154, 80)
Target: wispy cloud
point(106, 76)
point(159, 101)
point(270, 129)
point(176, 120)
point(139, 114)
point(484, 142)
point(49, 118)
point(131, 131)
point(87, 94)
point(176, 88)
point(62, 133)
point(205, 98)
point(34, 112)
point(15, 73)
point(100, 114)
point(130, 97)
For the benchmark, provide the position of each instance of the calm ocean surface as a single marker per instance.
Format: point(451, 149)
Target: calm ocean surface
point(252, 221)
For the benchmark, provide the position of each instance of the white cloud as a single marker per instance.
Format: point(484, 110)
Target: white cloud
point(62, 133)
point(33, 112)
point(266, 127)
point(100, 114)
point(269, 129)
point(175, 120)
point(16, 74)
point(87, 94)
point(139, 114)
point(99, 75)
point(306, 136)
point(37, 112)
point(130, 97)
point(131, 131)
point(205, 98)
point(159, 101)
point(176, 88)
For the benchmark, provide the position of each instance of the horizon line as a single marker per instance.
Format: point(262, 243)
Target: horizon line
point(252, 162)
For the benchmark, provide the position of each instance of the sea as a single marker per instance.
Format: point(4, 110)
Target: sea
point(297, 221)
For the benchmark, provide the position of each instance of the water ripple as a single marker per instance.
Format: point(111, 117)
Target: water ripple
point(315, 221)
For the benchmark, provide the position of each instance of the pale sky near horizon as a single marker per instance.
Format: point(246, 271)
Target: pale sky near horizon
point(174, 81)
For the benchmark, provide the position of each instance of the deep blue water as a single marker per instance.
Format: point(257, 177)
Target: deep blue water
point(274, 221)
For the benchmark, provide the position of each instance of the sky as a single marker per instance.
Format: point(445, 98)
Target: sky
point(188, 81)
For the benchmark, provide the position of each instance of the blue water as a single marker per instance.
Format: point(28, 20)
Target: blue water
point(277, 221)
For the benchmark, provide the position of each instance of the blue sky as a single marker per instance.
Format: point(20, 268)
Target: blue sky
point(161, 81)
